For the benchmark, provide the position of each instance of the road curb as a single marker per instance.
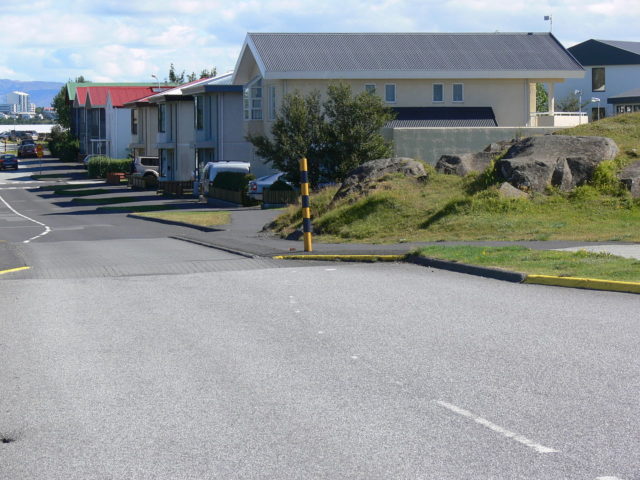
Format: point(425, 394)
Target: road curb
point(11, 270)
point(176, 223)
point(586, 283)
point(213, 245)
point(343, 258)
point(488, 272)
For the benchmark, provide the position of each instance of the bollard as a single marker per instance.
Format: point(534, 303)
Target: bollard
point(306, 210)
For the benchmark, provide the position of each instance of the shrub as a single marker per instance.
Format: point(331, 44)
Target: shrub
point(280, 186)
point(235, 181)
point(99, 167)
point(63, 145)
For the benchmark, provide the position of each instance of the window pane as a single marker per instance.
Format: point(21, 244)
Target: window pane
point(370, 88)
point(390, 93)
point(457, 92)
point(597, 79)
point(438, 92)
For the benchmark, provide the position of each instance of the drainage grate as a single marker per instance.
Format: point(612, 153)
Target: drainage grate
point(7, 440)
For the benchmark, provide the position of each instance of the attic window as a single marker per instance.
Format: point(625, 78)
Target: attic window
point(253, 100)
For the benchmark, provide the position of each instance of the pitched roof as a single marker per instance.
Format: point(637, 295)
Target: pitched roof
point(408, 55)
point(97, 95)
point(413, 117)
point(631, 96)
point(221, 83)
point(175, 93)
point(72, 87)
point(606, 52)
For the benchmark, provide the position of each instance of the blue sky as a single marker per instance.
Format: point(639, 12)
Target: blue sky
point(129, 40)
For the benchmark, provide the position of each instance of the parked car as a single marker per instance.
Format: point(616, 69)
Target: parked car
point(146, 166)
point(212, 169)
point(7, 161)
point(5, 136)
point(27, 150)
point(257, 186)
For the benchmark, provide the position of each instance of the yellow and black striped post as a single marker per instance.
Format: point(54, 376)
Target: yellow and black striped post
point(306, 210)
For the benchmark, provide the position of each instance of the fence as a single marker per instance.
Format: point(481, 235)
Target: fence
point(226, 195)
point(175, 187)
point(279, 196)
point(138, 181)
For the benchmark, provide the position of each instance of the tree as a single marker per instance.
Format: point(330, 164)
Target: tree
point(335, 136)
point(352, 131)
point(571, 103)
point(297, 132)
point(61, 105)
point(173, 77)
point(542, 98)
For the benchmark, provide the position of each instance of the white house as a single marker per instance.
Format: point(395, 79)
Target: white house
point(612, 68)
point(485, 79)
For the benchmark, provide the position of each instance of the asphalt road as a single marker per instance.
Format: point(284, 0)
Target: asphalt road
point(126, 354)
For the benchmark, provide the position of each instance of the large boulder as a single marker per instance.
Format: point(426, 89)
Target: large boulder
point(464, 163)
point(630, 178)
point(559, 160)
point(361, 179)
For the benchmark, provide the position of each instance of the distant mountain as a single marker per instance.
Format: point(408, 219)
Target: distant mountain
point(41, 93)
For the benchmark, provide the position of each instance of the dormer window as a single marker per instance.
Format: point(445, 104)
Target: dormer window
point(253, 100)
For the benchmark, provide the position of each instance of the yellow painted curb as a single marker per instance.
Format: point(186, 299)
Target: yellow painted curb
point(590, 283)
point(2, 272)
point(346, 258)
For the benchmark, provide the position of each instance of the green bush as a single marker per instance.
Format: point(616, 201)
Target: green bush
point(99, 167)
point(235, 181)
point(281, 186)
point(63, 145)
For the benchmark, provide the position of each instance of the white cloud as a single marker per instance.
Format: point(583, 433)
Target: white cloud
point(125, 40)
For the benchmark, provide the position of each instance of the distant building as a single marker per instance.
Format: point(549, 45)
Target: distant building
point(18, 103)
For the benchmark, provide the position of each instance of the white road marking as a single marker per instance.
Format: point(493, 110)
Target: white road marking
point(330, 269)
point(46, 228)
point(320, 332)
point(608, 478)
point(497, 428)
point(354, 357)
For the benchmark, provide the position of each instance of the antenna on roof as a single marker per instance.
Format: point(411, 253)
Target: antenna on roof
point(549, 18)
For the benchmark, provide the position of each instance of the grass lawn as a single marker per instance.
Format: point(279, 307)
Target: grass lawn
point(542, 262)
point(199, 218)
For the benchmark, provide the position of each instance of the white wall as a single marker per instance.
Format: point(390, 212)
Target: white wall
point(618, 79)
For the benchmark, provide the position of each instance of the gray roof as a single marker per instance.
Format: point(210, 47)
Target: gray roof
point(426, 52)
point(631, 96)
point(633, 47)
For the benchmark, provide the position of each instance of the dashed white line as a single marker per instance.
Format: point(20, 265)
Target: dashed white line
point(497, 428)
point(46, 228)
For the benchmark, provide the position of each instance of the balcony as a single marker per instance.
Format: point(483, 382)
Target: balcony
point(558, 119)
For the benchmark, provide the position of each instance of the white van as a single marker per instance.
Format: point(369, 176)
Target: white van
point(212, 169)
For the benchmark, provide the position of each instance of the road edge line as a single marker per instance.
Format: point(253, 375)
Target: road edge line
point(344, 258)
point(11, 270)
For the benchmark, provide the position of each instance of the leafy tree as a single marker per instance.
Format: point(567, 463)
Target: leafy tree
point(61, 105)
point(352, 131)
point(297, 132)
point(208, 73)
point(174, 77)
point(571, 103)
point(335, 136)
point(542, 98)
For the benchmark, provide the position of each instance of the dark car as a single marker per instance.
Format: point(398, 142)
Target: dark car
point(27, 150)
point(8, 161)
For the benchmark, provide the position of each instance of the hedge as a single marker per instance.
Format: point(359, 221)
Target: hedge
point(63, 145)
point(235, 181)
point(99, 167)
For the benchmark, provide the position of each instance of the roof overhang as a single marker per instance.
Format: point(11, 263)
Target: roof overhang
point(425, 74)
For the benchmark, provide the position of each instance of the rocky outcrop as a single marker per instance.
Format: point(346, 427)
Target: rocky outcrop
point(507, 190)
point(361, 179)
point(630, 178)
point(559, 160)
point(465, 163)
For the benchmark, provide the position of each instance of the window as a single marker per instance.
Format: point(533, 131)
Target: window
point(134, 121)
point(370, 88)
point(597, 79)
point(162, 117)
point(597, 113)
point(458, 92)
point(390, 93)
point(438, 92)
point(253, 100)
point(199, 110)
point(272, 102)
